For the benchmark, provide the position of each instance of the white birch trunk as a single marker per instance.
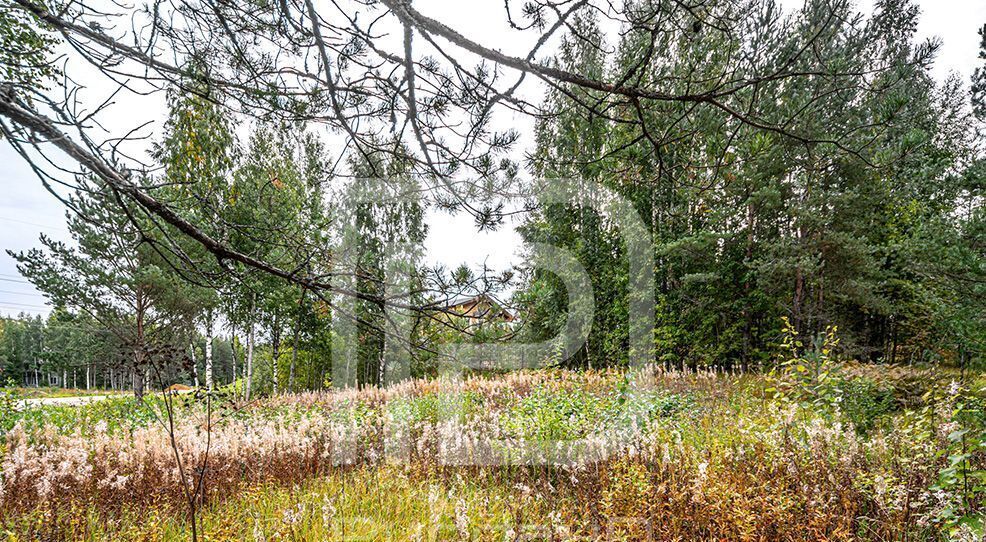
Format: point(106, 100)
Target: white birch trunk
point(208, 351)
point(232, 348)
point(249, 361)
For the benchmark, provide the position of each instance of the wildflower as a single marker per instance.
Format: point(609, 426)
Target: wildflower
point(966, 533)
point(432, 496)
point(462, 519)
point(880, 485)
point(557, 526)
point(948, 428)
point(954, 388)
point(328, 512)
point(293, 515)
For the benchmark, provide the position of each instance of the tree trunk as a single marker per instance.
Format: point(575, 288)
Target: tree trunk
point(195, 364)
point(294, 347)
point(139, 347)
point(87, 376)
point(232, 348)
point(747, 309)
point(382, 363)
point(138, 383)
point(275, 351)
point(294, 359)
point(249, 360)
point(893, 340)
point(208, 350)
point(799, 288)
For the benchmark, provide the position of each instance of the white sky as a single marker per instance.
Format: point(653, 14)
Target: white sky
point(27, 210)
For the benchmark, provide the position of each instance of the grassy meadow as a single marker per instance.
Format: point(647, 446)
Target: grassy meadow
point(855, 453)
point(57, 393)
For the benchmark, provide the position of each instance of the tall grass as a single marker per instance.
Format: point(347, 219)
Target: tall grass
point(698, 456)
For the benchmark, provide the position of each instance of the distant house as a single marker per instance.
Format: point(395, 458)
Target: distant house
point(177, 388)
point(478, 307)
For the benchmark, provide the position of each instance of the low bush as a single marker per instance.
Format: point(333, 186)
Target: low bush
point(863, 402)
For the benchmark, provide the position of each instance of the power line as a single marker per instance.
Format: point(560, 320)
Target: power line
point(25, 222)
point(35, 294)
point(26, 305)
point(60, 326)
point(15, 280)
point(21, 309)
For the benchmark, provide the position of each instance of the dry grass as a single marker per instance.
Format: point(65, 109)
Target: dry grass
point(709, 457)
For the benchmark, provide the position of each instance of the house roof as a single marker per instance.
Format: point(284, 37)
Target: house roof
point(463, 300)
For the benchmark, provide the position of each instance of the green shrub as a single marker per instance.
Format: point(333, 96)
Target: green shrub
point(574, 414)
point(119, 414)
point(8, 407)
point(548, 415)
point(806, 372)
point(863, 401)
point(435, 407)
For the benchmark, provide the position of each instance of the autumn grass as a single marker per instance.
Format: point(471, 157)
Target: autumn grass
point(55, 392)
point(702, 456)
point(363, 504)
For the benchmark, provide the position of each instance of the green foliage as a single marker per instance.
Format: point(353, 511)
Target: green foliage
point(863, 401)
point(116, 414)
point(749, 226)
point(979, 79)
point(811, 374)
point(547, 414)
point(117, 298)
point(21, 348)
point(807, 372)
point(9, 400)
point(708, 444)
point(963, 479)
point(433, 408)
point(25, 45)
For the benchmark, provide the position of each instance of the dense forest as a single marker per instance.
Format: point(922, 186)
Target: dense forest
point(886, 242)
point(879, 233)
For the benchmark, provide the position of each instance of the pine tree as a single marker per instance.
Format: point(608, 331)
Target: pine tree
point(113, 277)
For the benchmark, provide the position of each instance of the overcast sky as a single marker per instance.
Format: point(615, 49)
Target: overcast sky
point(27, 210)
